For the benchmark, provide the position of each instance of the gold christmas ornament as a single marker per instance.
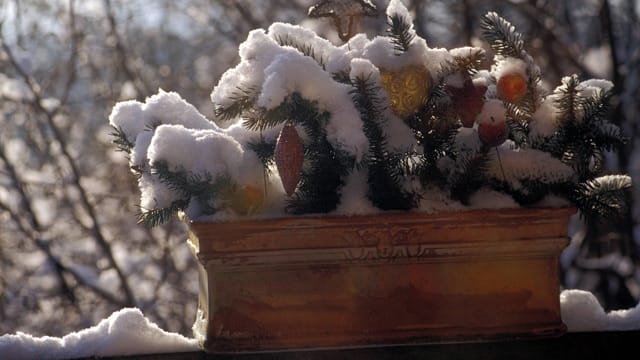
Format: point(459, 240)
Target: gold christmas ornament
point(289, 155)
point(408, 89)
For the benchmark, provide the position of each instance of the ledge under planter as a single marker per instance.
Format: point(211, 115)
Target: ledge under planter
point(385, 279)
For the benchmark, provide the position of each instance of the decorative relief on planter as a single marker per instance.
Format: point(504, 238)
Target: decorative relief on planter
point(384, 243)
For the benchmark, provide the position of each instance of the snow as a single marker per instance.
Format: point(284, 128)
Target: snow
point(200, 151)
point(125, 332)
point(581, 312)
point(353, 200)
point(492, 112)
point(527, 164)
point(128, 332)
point(544, 121)
point(292, 72)
point(591, 87)
point(510, 65)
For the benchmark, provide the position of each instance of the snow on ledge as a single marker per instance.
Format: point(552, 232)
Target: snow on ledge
point(125, 332)
point(128, 332)
point(581, 312)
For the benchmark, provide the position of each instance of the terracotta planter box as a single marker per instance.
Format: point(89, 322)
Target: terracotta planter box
point(387, 279)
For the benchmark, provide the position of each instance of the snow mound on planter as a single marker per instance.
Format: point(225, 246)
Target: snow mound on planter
point(125, 332)
point(582, 312)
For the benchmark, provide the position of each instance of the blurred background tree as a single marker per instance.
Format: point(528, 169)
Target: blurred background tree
point(70, 249)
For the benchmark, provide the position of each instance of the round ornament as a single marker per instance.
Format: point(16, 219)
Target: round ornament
point(492, 126)
point(467, 101)
point(247, 200)
point(289, 155)
point(493, 134)
point(408, 88)
point(512, 87)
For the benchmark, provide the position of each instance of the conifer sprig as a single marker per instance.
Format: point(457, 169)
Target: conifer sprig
point(569, 102)
point(470, 175)
point(120, 140)
point(241, 100)
point(154, 217)
point(604, 198)
point(401, 32)
point(502, 35)
point(384, 175)
point(210, 193)
point(463, 64)
point(305, 49)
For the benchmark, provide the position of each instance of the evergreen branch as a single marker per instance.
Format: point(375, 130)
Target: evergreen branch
point(608, 136)
point(597, 107)
point(604, 198)
point(261, 119)
point(264, 151)
point(242, 100)
point(305, 49)
point(342, 77)
point(568, 102)
point(401, 33)
point(502, 35)
point(212, 194)
point(325, 167)
point(470, 175)
point(384, 191)
point(120, 140)
point(463, 64)
point(154, 217)
point(518, 123)
point(181, 181)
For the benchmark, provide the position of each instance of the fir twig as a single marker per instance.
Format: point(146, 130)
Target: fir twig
point(463, 64)
point(470, 175)
point(242, 100)
point(604, 198)
point(568, 102)
point(401, 33)
point(384, 178)
point(264, 151)
point(305, 49)
point(502, 35)
point(324, 169)
point(120, 140)
point(154, 217)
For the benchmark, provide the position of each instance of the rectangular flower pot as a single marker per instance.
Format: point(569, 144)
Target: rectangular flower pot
point(383, 279)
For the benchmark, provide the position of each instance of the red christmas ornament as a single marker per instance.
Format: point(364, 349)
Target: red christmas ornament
point(467, 101)
point(492, 133)
point(512, 87)
point(289, 155)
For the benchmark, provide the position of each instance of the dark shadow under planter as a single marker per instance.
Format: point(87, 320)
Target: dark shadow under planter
point(383, 279)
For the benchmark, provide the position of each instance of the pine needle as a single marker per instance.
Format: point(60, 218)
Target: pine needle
point(502, 35)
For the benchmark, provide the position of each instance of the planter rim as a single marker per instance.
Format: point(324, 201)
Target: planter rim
point(386, 235)
point(503, 213)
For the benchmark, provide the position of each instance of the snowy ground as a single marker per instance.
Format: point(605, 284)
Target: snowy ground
point(128, 332)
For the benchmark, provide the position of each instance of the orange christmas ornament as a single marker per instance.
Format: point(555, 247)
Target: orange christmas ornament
point(289, 155)
point(247, 200)
point(408, 88)
point(512, 87)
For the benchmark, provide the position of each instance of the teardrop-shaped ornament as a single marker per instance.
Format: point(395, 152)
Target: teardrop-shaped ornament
point(289, 155)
